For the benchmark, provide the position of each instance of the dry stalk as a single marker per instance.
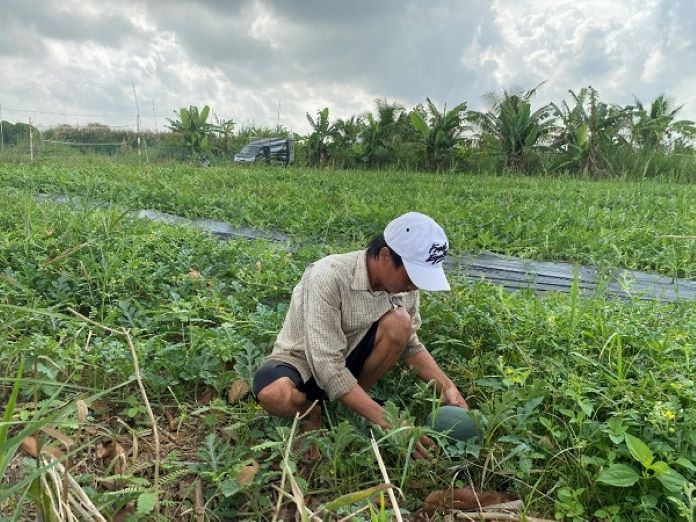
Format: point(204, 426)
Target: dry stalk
point(65, 254)
point(200, 505)
point(287, 495)
point(143, 393)
point(76, 496)
point(385, 476)
point(474, 516)
point(286, 456)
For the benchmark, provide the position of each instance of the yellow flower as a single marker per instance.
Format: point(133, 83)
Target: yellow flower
point(669, 415)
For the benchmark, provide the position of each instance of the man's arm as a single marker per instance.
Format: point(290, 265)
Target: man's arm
point(427, 369)
point(361, 403)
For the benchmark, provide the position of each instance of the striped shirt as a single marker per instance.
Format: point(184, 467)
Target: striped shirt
point(331, 310)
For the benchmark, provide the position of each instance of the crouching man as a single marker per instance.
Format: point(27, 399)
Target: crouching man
point(351, 318)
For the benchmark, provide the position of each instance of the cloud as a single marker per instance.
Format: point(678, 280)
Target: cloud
point(245, 58)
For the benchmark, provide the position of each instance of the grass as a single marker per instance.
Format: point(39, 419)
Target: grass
point(564, 385)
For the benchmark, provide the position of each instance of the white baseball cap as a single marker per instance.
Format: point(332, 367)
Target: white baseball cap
point(422, 245)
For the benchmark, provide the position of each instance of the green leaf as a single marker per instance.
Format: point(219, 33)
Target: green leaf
point(686, 463)
point(639, 450)
point(355, 497)
point(204, 114)
point(659, 467)
point(146, 503)
point(671, 480)
point(619, 475)
point(12, 401)
point(419, 124)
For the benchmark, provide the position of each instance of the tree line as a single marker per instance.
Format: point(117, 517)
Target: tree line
point(583, 134)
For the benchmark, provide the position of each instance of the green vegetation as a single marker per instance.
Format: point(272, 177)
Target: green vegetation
point(608, 224)
point(584, 135)
point(585, 404)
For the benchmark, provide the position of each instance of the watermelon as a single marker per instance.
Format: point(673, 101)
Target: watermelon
point(454, 421)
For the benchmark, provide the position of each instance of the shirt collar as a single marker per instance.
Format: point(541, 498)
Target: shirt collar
point(360, 281)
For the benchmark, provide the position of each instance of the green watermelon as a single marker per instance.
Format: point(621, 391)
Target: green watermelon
point(455, 421)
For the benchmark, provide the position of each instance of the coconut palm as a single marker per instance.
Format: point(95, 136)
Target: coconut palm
point(345, 140)
point(511, 128)
point(439, 133)
point(655, 129)
point(382, 135)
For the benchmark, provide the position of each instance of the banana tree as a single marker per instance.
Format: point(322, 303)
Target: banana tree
point(589, 130)
point(656, 128)
point(317, 142)
point(510, 127)
point(193, 128)
point(439, 134)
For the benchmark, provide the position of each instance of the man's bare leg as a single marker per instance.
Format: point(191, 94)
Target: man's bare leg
point(393, 332)
point(283, 399)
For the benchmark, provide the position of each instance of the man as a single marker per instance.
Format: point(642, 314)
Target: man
point(351, 318)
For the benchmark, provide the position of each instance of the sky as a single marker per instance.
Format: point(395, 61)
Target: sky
point(269, 62)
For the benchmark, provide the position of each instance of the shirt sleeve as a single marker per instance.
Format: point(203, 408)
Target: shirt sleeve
point(326, 342)
point(413, 346)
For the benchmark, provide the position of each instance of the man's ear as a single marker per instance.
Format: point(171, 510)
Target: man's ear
point(384, 253)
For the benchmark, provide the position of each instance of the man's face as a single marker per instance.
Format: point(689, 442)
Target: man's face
point(395, 280)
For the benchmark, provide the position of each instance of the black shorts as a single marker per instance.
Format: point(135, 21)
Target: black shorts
point(272, 370)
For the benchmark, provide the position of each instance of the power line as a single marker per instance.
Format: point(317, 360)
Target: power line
point(61, 113)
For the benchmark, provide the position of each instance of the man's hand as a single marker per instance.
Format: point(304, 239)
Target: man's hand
point(420, 450)
point(452, 397)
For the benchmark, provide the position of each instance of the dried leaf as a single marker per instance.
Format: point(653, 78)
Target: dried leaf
point(82, 410)
point(170, 420)
point(194, 274)
point(121, 465)
point(463, 499)
point(31, 447)
point(207, 396)
point(237, 391)
point(247, 473)
point(103, 452)
point(58, 435)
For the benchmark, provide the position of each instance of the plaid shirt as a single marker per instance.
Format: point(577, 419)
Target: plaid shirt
point(331, 310)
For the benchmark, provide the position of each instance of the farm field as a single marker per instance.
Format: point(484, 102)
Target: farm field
point(612, 223)
point(586, 405)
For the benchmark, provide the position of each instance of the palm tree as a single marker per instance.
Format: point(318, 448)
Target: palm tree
point(655, 128)
point(439, 134)
point(317, 142)
point(510, 126)
point(590, 128)
point(345, 139)
point(382, 135)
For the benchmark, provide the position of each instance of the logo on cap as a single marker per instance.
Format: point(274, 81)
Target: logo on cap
point(437, 253)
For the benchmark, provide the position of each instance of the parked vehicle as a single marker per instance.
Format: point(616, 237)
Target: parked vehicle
point(267, 150)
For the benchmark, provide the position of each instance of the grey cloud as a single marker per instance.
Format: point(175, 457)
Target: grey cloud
point(313, 53)
point(50, 20)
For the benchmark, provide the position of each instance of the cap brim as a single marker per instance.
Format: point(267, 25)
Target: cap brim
point(427, 277)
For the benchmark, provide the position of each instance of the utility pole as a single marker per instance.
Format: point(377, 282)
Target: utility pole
point(154, 116)
point(31, 141)
point(137, 119)
point(2, 136)
point(278, 121)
